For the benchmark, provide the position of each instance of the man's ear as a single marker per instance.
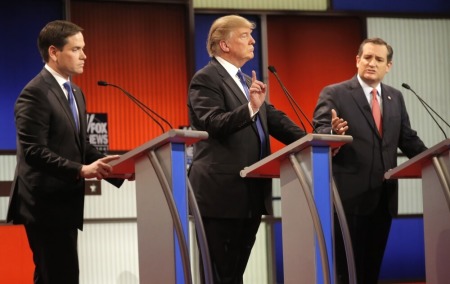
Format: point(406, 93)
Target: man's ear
point(224, 46)
point(52, 50)
point(389, 66)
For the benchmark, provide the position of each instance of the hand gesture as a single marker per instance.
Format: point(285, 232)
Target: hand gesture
point(257, 93)
point(338, 125)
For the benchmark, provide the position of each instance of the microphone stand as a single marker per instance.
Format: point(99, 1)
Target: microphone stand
point(140, 104)
point(428, 108)
point(291, 100)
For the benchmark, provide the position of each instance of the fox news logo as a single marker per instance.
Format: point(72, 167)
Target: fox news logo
point(97, 130)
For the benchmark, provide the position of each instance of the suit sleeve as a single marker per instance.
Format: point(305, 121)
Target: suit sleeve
point(33, 115)
point(281, 127)
point(214, 108)
point(322, 112)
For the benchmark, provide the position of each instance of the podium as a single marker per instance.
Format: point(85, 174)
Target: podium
point(160, 170)
point(304, 169)
point(433, 166)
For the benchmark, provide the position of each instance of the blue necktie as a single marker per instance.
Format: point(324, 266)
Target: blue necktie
point(71, 99)
point(262, 136)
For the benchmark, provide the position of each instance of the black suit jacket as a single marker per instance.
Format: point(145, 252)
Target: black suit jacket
point(47, 190)
point(217, 105)
point(359, 167)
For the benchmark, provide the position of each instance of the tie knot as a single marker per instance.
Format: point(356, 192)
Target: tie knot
point(241, 76)
point(374, 93)
point(67, 86)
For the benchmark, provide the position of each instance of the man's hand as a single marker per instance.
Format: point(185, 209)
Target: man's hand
point(257, 93)
point(99, 169)
point(338, 125)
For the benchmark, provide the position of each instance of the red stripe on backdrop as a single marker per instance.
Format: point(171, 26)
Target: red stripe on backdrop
point(142, 48)
point(16, 259)
point(309, 53)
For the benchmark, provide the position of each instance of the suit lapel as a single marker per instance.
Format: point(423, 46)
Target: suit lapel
point(61, 97)
point(237, 92)
point(360, 98)
point(229, 81)
point(388, 109)
point(81, 114)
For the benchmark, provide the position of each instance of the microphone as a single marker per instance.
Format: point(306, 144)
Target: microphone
point(428, 108)
point(140, 104)
point(291, 100)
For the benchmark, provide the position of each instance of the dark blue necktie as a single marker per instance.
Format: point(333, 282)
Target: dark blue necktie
point(262, 136)
point(71, 99)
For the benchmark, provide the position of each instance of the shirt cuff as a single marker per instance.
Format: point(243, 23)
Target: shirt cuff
point(252, 114)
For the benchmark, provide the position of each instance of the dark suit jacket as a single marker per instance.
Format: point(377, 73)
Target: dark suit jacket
point(359, 167)
point(47, 190)
point(217, 105)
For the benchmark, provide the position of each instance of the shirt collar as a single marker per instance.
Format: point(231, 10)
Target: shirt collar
point(60, 79)
point(231, 69)
point(368, 89)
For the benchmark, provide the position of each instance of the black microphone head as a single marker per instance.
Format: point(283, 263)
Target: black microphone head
point(272, 69)
point(406, 86)
point(102, 83)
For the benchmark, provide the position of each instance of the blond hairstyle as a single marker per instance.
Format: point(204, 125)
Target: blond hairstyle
point(222, 28)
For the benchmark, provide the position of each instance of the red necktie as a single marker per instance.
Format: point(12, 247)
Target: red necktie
point(376, 111)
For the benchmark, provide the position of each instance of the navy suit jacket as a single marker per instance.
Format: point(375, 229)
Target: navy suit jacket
point(217, 105)
point(47, 189)
point(359, 167)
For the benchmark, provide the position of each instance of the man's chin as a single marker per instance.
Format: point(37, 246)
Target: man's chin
point(369, 80)
point(78, 71)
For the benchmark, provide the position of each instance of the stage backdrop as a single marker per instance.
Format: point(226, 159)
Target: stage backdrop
point(310, 52)
point(142, 48)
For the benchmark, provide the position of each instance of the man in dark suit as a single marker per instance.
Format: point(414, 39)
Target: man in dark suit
point(54, 157)
point(239, 129)
point(354, 107)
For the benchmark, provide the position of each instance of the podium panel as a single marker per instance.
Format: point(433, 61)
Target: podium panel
point(433, 166)
point(302, 257)
point(162, 205)
point(304, 168)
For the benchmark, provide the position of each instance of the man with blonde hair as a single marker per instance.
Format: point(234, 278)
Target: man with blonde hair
point(231, 107)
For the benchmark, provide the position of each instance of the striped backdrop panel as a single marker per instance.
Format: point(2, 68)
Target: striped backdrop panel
point(422, 60)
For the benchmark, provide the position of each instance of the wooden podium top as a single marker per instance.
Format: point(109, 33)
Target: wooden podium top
point(269, 167)
point(413, 167)
point(124, 166)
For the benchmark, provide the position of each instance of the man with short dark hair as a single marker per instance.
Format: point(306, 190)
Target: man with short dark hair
point(54, 156)
point(375, 115)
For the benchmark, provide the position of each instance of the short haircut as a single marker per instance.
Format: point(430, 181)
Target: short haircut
point(377, 41)
point(55, 33)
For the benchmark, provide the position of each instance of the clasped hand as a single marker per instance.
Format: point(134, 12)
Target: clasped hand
point(99, 169)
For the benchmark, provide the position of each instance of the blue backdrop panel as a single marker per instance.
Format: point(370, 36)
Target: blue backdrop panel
point(23, 20)
point(179, 187)
point(406, 6)
point(404, 258)
point(202, 24)
point(322, 197)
